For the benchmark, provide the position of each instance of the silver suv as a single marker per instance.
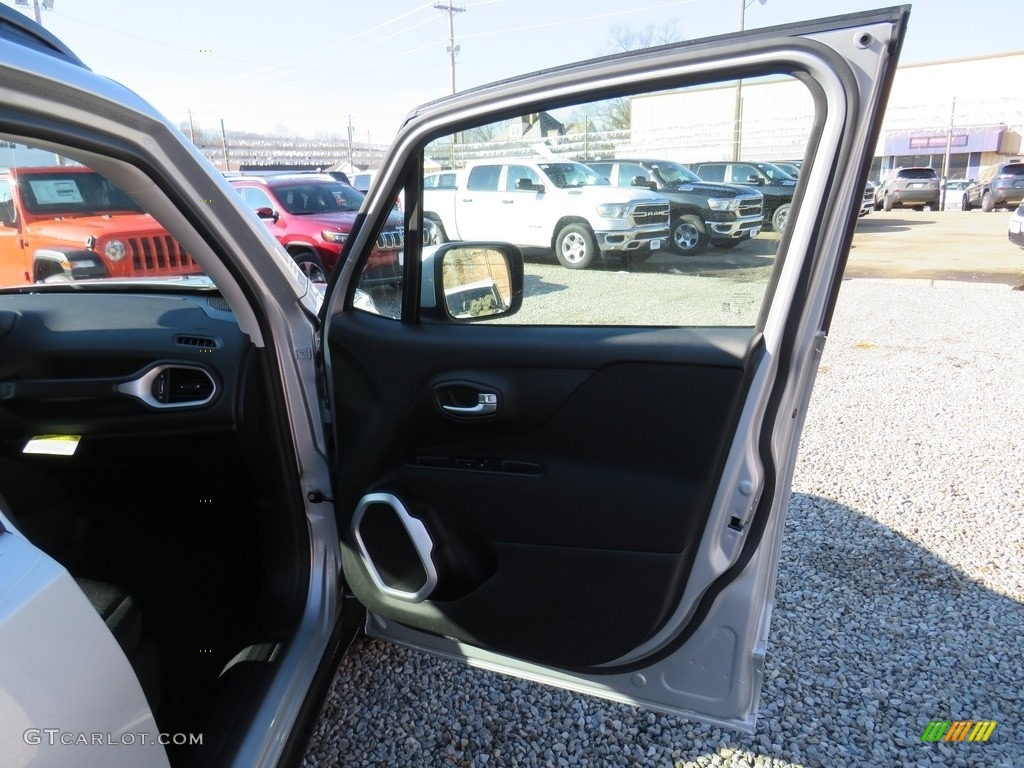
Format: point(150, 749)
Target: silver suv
point(909, 188)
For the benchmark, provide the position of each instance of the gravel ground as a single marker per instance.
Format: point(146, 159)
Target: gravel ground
point(900, 588)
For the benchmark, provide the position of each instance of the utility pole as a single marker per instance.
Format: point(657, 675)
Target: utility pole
point(224, 145)
point(452, 47)
point(47, 4)
point(737, 134)
point(949, 149)
point(191, 128)
point(350, 165)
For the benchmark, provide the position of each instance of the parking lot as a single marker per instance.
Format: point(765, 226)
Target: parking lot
point(901, 581)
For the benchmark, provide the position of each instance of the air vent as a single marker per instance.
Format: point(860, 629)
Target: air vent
point(198, 342)
point(185, 385)
point(172, 386)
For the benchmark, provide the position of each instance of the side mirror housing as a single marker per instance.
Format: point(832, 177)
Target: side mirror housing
point(466, 282)
point(267, 213)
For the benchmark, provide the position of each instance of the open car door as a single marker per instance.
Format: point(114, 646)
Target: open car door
point(580, 476)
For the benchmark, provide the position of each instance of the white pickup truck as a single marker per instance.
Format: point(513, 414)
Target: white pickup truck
point(557, 204)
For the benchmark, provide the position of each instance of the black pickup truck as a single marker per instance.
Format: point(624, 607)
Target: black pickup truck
point(723, 215)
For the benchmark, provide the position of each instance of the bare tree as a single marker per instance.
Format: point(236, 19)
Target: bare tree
point(614, 114)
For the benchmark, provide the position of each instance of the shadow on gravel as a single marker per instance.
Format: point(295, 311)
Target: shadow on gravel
point(872, 638)
point(887, 224)
point(535, 285)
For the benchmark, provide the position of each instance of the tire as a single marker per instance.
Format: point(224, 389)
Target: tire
point(986, 203)
point(780, 217)
point(965, 203)
point(878, 205)
point(311, 266)
point(575, 246)
point(918, 208)
point(437, 236)
point(887, 203)
point(688, 236)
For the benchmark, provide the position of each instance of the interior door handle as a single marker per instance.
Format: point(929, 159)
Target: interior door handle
point(487, 403)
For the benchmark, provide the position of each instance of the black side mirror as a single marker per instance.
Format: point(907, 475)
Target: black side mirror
point(463, 282)
point(525, 185)
point(8, 217)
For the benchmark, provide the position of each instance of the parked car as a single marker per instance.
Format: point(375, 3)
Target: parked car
point(72, 224)
point(791, 167)
point(312, 215)
point(868, 201)
point(442, 180)
point(212, 483)
point(774, 184)
point(908, 188)
point(1015, 229)
point(702, 212)
point(574, 211)
point(1000, 186)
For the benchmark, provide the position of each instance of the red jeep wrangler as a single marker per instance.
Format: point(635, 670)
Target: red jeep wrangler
point(311, 215)
point(69, 222)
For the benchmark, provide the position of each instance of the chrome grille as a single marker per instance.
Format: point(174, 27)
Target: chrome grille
point(159, 254)
point(650, 214)
point(391, 240)
point(749, 206)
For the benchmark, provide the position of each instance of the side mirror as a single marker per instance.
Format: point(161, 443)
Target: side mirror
point(525, 185)
point(267, 213)
point(466, 282)
point(755, 180)
point(8, 216)
point(642, 181)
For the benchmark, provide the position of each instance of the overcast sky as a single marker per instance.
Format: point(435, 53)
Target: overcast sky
point(310, 64)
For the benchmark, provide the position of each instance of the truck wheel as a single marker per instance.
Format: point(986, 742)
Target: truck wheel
point(965, 203)
point(575, 247)
point(433, 232)
point(689, 236)
point(311, 266)
point(780, 217)
point(987, 204)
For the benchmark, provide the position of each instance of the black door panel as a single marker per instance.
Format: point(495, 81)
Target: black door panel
point(575, 506)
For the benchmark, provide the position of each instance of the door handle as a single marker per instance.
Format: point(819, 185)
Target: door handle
point(486, 404)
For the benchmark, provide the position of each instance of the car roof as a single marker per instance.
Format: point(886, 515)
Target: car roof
point(285, 178)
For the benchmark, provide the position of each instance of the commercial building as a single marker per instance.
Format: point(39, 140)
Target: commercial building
point(972, 107)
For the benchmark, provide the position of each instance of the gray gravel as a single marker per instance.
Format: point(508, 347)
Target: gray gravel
point(900, 587)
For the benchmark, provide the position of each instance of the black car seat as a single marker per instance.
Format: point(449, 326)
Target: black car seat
point(45, 514)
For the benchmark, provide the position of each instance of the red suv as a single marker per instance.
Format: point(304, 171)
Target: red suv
point(311, 215)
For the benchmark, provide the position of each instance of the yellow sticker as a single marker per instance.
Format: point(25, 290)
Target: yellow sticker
point(53, 445)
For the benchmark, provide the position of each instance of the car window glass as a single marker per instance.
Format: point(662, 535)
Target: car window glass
point(484, 178)
point(918, 173)
point(597, 254)
point(629, 172)
point(740, 173)
point(518, 175)
point(256, 198)
point(714, 173)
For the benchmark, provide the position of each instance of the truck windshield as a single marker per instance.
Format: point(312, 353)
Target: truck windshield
point(674, 173)
point(568, 175)
point(72, 192)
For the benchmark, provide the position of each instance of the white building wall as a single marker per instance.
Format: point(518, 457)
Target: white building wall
point(777, 115)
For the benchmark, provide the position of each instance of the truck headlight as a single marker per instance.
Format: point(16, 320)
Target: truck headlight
point(613, 211)
point(334, 237)
point(114, 250)
point(722, 204)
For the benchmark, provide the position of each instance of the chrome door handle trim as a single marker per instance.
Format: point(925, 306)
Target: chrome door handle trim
point(487, 403)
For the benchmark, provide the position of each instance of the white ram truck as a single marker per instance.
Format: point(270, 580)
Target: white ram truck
point(557, 204)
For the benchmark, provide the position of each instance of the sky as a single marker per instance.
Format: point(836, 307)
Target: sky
point(309, 67)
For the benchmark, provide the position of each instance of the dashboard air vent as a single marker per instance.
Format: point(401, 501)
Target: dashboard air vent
point(197, 342)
